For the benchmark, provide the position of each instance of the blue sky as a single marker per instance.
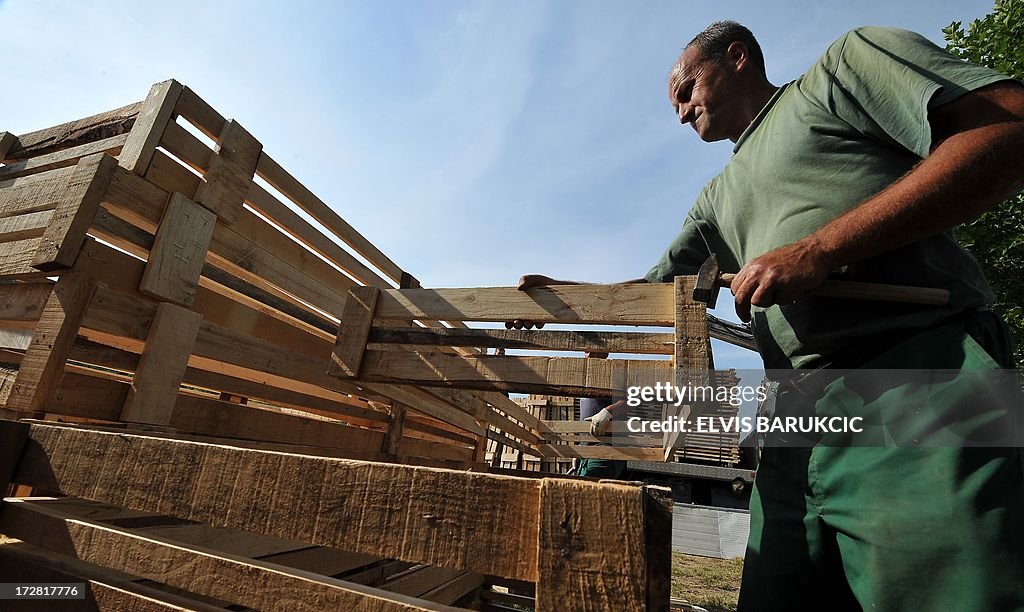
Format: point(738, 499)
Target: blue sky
point(471, 141)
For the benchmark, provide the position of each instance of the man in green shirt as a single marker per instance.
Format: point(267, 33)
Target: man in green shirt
point(857, 170)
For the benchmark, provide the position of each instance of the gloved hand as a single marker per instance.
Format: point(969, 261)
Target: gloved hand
point(600, 422)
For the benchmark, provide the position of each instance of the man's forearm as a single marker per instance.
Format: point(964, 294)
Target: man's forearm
point(978, 162)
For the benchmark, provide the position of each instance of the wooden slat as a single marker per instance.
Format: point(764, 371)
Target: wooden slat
point(636, 304)
point(76, 208)
point(549, 375)
point(63, 158)
point(396, 424)
point(33, 193)
point(43, 363)
point(179, 251)
point(22, 227)
point(421, 515)
point(74, 133)
point(155, 385)
point(280, 179)
point(7, 141)
point(200, 114)
point(302, 230)
point(154, 115)
point(216, 574)
point(356, 320)
point(609, 342)
point(226, 180)
point(592, 554)
point(623, 453)
point(12, 440)
point(105, 589)
point(186, 147)
point(692, 357)
point(21, 302)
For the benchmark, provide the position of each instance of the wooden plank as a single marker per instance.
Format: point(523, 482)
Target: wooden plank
point(63, 238)
point(16, 259)
point(609, 342)
point(548, 375)
point(250, 249)
point(226, 180)
point(216, 574)
point(154, 115)
point(105, 589)
point(199, 113)
point(186, 147)
point(657, 523)
point(624, 453)
point(636, 304)
point(155, 385)
point(44, 359)
point(692, 357)
point(62, 159)
point(396, 424)
point(33, 193)
point(74, 133)
point(280, 179)
point(13, 436)
point(356, 320)
point(22, 227)
point(7, 141)
point(421, 515)
point(23, 301)
point(303, 231)
point(591, 554)
point(455, 589)
point(179, 252)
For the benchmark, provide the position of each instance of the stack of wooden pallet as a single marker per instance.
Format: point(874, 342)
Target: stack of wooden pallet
point(164, 297)
point(192, 293)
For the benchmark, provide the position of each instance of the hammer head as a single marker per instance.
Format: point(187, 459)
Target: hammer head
point(706, 289)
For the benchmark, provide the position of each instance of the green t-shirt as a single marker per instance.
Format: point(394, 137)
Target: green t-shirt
point(849, 127)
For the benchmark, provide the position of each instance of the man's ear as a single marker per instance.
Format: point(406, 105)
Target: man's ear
point(737, 55)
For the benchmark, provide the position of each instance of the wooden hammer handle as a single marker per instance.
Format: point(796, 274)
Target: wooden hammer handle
point(874, 291)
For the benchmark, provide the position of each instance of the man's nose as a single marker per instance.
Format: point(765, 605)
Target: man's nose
point(684, 113)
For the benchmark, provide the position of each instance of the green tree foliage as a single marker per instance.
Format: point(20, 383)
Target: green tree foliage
point(996, 239)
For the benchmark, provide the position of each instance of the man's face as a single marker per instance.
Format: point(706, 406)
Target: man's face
point(702, 93)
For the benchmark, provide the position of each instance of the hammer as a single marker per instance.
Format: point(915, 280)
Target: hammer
point(710, 278)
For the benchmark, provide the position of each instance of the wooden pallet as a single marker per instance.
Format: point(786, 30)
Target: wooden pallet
point(175, 522)
point(193, 295)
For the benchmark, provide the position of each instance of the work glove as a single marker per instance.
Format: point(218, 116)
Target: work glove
point(600, 422)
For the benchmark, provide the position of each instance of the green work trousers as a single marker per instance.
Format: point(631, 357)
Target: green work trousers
point(888, 526)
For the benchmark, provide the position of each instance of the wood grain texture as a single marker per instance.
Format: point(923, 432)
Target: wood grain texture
point(638, 304)
point(33, 193)
point(155, 113)
point(421, 515)
point(199, 113)
point(227, 178)
point(396, 425)
point(179, 252)
point(216, 574)
point(546, 375)
point(43, 364)
point(7, 141)
point(13, 436)
point(356, 320)
point(22, 227)
point(23, 301)
point(270, 171)
point(75, 211)
point(692, 357)
point(169, 343)
point(74, 133)
point(610, 342)
point(62, 158)
point(591, 548)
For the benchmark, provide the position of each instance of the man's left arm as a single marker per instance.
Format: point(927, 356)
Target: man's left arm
point(977, 161)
